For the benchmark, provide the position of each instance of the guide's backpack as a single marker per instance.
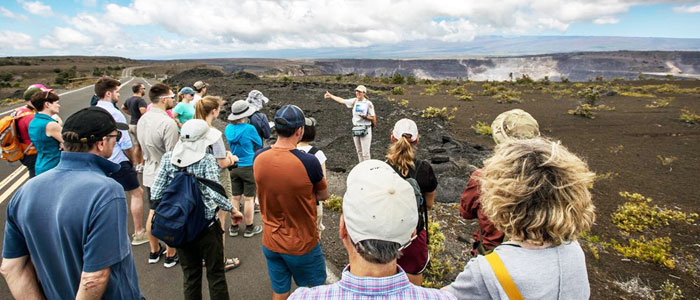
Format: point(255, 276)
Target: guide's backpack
point(12, 148)
point(180, 218)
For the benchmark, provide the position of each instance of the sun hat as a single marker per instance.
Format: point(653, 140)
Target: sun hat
point(200, 85)
point(32, 89)
point(311, 122)
point(187, 90)
point(361, 88)
point(257, 99)
point(514, 124)
point(195, 137)
point(239, 110)
point(405, 126)
point(91, 124)
point(289, 117)
point(378, 204)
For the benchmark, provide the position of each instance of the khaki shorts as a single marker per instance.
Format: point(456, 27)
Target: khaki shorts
point(226, 181)
point(243, 181)
point(132, 134)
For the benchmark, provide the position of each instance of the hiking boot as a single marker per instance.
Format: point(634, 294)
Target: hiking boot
point(139, 238)
point(154, 257)
point(171, 261)
point(250, 231)
point(233, 230)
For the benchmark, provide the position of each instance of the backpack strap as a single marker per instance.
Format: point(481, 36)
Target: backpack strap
point(313, 150)
point(503, 277)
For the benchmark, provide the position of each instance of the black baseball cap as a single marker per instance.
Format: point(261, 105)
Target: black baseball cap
point(289, 116)
point(92, 124)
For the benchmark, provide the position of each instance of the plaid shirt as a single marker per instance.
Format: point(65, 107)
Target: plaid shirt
point(207, 168)
point(353, 287)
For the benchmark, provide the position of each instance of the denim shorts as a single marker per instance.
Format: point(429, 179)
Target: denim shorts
point(307, 269)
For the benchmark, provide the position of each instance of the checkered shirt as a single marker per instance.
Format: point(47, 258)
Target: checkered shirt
point(207, 168)
point(353, 287)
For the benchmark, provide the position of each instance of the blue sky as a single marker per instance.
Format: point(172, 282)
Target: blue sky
point(194, 28)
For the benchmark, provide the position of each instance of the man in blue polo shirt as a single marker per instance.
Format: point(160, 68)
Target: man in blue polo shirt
point(72, 244)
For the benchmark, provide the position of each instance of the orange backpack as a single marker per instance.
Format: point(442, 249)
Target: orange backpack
point(12, 148)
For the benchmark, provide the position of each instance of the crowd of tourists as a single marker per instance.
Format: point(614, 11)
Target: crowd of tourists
point(531, 200)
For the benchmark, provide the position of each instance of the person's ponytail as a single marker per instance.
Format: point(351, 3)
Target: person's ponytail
point(401, 155)
point(205, 105)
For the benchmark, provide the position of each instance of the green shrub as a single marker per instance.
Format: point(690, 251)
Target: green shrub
point(670, 291)
point(434, 112)
point(590, 95)
point(689, 116)
point(437, 275)
point(334, 203)
point(524, 80)
point(397, 91)
point(637, 95)
point(461, 93)
point(403, 103)
point(588, 111)
point(398, 78)
point(659, 103)
point(411, 80)
point(657, 250)
point(508, 96)
point(431, 90)
point(637, 214)
point(482, 128)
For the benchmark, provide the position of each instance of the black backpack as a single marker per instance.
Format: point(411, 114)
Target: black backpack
point(420, 201)
point(180, 218)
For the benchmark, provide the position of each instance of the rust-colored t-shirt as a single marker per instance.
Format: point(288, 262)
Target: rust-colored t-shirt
point(287, 181)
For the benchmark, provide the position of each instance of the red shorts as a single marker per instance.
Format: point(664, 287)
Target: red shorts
point(414, 259)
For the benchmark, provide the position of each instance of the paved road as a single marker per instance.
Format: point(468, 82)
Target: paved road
point(249, 281)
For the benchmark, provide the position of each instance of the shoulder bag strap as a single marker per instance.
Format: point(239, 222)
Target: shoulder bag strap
point(503, 277)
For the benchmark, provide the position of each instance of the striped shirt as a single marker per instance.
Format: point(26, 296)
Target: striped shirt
point(350, 286)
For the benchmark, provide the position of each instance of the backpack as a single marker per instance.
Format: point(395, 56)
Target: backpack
point(420, 201)
point(12, 148)
point(180, 218)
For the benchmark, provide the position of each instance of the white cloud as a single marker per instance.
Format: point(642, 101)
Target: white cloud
point(109, 32)
point(49, 42)
point(687, 9)
point(10, 15)
point(65, 35)
point(252, 24)
point(15, 40)
point(606, 20)
point(36, 7)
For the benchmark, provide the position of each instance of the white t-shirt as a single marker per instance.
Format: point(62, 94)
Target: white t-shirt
point(360, 108)
point(319, 154)
point(196, 98)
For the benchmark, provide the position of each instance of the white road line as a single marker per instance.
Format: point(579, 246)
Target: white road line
point(12, 176)
point(12, 189)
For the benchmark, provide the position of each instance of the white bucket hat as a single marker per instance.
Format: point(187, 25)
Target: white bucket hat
point(239, 110)
point(257, 99)
point(195, 137)
point(379, 204)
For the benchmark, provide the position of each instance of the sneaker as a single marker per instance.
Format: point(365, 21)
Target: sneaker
point(171, 261)
point(233, 231)
point(251, 231)
point(154, 257)
point(139, 168)
point(139, 238)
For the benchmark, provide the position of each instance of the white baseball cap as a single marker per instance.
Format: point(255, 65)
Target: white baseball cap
point(405, 126)
point(379, 204)
point(361, 88)
point(195, 137)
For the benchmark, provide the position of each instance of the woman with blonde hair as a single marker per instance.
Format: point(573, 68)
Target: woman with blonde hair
point(536, 192)
point(402, 157)
point(184, 110)
point(208, 109)
point(363, 119)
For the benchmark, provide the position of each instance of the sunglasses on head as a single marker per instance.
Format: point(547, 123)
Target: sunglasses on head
point(168, 96)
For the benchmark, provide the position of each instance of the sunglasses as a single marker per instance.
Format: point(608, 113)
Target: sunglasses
point(118, 135)
point(168, 96)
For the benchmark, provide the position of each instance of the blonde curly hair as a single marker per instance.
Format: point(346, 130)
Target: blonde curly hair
point(535, 190)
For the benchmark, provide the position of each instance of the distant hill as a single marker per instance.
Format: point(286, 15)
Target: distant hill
point(578, 66)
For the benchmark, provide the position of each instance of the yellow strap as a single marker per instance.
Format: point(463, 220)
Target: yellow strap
point(503, 277)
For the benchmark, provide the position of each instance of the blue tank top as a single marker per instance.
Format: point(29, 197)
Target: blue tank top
point(48, 154)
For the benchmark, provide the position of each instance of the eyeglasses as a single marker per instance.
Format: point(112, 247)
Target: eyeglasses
point(118, 135)
point(168, 96)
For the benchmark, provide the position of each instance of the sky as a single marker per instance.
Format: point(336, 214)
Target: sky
point(201, 28)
